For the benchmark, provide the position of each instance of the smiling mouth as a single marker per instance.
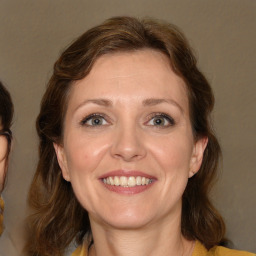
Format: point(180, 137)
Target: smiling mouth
point(123, 181)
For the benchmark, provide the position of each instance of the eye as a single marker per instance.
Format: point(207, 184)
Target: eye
point(160, 120)
point(94, 120)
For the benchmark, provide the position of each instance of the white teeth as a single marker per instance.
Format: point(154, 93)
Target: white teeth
point(111, 180)
point(138, 181)
point(131, 181)
point(124, 181)
point(116, 181)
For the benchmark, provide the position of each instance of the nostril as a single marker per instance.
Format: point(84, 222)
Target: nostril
point(128, 144)
point(129, 155)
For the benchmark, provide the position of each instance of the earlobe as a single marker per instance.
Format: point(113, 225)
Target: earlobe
point(61, 157)
point(197, 155)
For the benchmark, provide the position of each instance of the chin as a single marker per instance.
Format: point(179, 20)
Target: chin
point(127, 223)
point(128, 219)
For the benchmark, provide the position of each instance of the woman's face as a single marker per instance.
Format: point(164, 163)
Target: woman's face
point(3, 152)
point(128, 148)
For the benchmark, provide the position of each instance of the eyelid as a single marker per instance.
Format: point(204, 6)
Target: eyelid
point(88, 117)
point(163, 115)
point(170, 120)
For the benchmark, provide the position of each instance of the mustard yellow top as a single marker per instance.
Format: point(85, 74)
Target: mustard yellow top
point(199, 250)
point(1, 214)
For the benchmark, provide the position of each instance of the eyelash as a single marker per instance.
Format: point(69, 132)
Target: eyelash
point(90, 117)
point(151, 117)
point(169, 119)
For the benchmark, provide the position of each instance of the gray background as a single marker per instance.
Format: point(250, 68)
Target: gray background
point(223, 33)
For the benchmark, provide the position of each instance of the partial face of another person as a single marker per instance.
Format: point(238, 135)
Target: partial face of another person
point(128, 148)
point(3, 154)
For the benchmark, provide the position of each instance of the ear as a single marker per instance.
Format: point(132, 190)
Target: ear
point(61, 157)
point(197, 155)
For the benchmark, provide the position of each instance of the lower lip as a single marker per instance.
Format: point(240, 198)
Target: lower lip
point(128, 190)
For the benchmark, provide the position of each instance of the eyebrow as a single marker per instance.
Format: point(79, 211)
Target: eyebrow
point(155, 101)
point(147, 102)
point(100, 102)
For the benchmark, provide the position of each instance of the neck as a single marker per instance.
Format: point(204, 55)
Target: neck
point(155, 240)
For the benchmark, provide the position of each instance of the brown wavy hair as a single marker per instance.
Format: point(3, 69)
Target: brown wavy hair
point(6, 115)
point(58, 217)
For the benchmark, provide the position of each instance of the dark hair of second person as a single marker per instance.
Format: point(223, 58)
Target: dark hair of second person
point(6, 115)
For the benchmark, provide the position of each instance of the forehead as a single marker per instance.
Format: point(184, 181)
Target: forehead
point(139, 74)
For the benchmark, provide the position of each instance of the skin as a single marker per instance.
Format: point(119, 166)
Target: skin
point(3, 150)
point(137, 87)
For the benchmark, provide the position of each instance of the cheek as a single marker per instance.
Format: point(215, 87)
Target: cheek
point(3, 151)
point(3, 148)
point(84, 154)
point(84, 157)
point(173, 153)
point(2, 168)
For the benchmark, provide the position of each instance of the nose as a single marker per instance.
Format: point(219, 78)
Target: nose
point(128, 144)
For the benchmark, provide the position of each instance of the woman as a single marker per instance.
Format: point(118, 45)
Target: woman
point(6, 113)
point(127, 153)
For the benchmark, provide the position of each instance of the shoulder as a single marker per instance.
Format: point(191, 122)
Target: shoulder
point(200, 250)
point(80, 251)
point(222, 251)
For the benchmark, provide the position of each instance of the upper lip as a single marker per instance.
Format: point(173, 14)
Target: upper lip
point(126, 173)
